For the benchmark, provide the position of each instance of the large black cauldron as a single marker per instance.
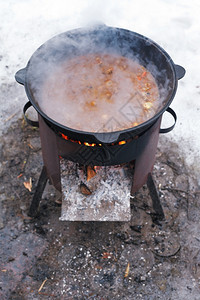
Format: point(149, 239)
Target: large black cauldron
point(101, 38)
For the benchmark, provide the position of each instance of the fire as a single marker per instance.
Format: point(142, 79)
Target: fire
point(91, 172)
point(69, 139)
point(89, 144)
point(122, 142)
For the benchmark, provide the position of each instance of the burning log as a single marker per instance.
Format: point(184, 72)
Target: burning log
point(84, 189)
point(90, 172)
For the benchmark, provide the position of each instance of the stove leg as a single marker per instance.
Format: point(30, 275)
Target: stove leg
point(38, 193)
point(159, 214)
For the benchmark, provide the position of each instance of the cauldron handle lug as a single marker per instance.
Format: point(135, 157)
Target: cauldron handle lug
point(28, 121)
point(172, 112)
point(20, 76)
point(180, 71)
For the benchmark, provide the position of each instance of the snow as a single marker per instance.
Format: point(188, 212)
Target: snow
point(173, 24)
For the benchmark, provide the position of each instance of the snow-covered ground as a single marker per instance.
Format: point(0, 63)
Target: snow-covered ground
point(173, 24)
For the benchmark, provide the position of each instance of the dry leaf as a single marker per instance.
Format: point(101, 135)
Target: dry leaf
point(90, 173)
point(41, 287)
point(30, 146)
point(127, 271)
point(10, 117)
point(28, 184)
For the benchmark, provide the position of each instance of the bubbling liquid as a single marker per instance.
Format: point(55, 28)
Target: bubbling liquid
point(100, 93)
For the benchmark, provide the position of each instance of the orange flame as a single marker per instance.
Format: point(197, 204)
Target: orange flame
point(89, 144)
point(122, 142)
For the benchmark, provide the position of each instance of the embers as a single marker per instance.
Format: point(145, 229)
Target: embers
point(96, 144)
point(90, 176)
point(95, 193)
